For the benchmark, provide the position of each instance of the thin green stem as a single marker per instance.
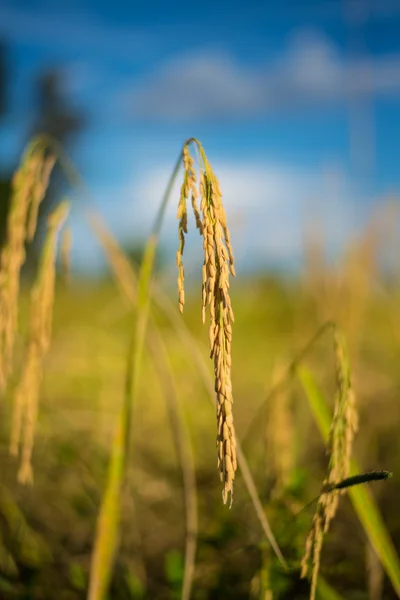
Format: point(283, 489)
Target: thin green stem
point(107, 538)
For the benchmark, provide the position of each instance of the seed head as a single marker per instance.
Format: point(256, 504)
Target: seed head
point(29, 186)
point(343, 428)
point(218, 265)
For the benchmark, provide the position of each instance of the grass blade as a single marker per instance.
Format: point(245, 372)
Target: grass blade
point(361, 497)
point(126, 280)
point(106, 542)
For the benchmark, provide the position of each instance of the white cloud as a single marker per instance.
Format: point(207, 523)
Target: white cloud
point(214, 84)
point(268, 207)
point(181, 89)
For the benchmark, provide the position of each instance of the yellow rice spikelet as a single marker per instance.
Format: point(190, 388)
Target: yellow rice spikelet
point(27, 392)
point(343, 428)
point(218, 265)
point(29, 186)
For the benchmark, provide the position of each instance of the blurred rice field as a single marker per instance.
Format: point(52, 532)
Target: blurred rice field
point(81, 396)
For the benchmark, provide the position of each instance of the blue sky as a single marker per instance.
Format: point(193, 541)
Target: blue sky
point(296, 103)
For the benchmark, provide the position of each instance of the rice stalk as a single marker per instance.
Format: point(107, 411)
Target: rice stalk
point(126, 281)
point(341, 436)
point(29, 186)
point(27, 391)
point(107, 528)
point(218, 264)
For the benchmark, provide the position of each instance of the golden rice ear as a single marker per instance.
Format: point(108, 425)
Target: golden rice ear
point(218, 264)
point(38, 193)
point(345, 419)
point(27, 392)
point(29, 187)
point(343, 428)
point(313, 549)
point(188, 188)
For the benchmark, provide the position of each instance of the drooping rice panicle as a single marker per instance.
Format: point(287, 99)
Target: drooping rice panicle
point(27, 392)
point(29, 187)
point(218, 264)
point(343, 428)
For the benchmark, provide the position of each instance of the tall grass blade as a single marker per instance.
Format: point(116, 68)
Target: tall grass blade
point(362, 499)
point(107, 536)
point(126, 280)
